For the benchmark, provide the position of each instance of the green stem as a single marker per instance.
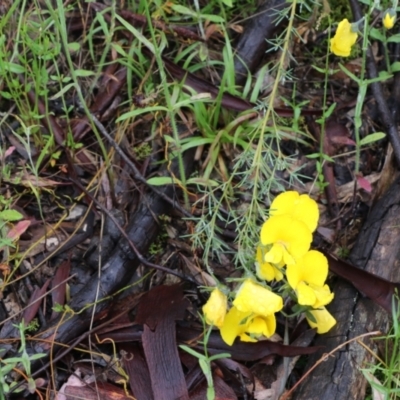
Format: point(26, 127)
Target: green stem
point(171, 112)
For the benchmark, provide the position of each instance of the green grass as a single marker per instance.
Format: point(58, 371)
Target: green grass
point(384, 374)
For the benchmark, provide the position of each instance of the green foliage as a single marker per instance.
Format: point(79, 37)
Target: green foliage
point(205, 361)
point(21, 361)
point(384, 376)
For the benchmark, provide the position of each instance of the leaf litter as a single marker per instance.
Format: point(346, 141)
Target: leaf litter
point(138, 336)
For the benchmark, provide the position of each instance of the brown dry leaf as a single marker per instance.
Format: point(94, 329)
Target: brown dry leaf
point(73, 380)
point(261, 393)
point(5, 268)
point(388, 175)
point(202, 277)
point(11, 304)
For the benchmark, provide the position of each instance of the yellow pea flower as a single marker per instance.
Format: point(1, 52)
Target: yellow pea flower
point(266, 270)
point(235, 324)
point(307, 277)
point(389, 18)
point(256, 299)
point(247, 326)
point(215, 308)
point(265, 326)
point(324, 320)
point(300, 207)
point(343, 40)
point(289, 237)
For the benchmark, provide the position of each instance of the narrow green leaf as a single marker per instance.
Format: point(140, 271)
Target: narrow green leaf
point(160, 181)
point(12, 67)
point(142, 39)
point(184, 10)
point(83, 73)
point(373, 137)
point(138, 111)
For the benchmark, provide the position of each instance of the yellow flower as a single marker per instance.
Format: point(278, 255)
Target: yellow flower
point(266, 270)
point(307, 278)
point(262, 326)
point(300, 207)
point(324, 320)
point(235, 324)
point(215, 308)
point(254, 298)
point(389, 19)
point(289, 237)
point(246, 325)
point(343, 40)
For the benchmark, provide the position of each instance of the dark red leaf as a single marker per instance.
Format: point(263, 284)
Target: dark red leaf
point(244, 351)
point(136, 368)
point(157, 311)
point(60, 282)
point(379, 290)
point(34, 303)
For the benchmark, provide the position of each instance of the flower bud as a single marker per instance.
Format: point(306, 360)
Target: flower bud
point(389, 18)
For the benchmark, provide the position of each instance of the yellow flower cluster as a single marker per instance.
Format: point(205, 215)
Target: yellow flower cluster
point(252, 313)
point(284, 251)
point(285, 241)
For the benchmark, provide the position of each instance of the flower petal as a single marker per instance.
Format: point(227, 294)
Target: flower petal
point(235, 323)
point(254, 298)
point(275, 255)
point(305, 294)
point(389, 18)
point(294, 275)
point(314, 267)
point(266, 270)
point(324, 320)
point(244, 337)
point(215, 308)
point(262, 326)
point(289, 238)
point(323, 296)
point(300, 207)
point(343, 40)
